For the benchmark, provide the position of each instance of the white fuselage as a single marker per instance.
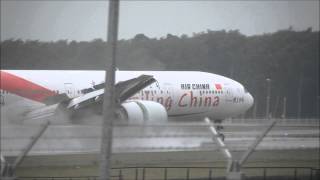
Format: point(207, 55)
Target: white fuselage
point(182, 93)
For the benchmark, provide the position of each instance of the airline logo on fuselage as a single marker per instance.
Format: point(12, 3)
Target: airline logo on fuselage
point(195, 86)
point(188, 99)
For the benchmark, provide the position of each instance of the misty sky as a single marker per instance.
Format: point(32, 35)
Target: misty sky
point(86, 20)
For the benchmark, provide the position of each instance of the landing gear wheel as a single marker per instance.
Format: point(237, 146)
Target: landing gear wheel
point(218, 124)
point(219, 127)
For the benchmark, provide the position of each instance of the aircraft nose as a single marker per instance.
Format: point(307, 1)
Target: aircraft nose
point(249, 100)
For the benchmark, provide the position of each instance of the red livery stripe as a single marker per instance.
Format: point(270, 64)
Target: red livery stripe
point(23, 87)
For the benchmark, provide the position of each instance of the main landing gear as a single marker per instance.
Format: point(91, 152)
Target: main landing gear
point(219, 127)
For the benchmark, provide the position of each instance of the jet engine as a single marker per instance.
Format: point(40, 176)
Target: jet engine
point(143, 111)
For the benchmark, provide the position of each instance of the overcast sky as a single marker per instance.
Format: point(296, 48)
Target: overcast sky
point(86, 20)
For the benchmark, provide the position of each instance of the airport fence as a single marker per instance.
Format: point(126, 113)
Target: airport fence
point(199, 173)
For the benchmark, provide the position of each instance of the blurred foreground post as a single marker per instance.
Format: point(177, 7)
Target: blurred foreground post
point(109, 101)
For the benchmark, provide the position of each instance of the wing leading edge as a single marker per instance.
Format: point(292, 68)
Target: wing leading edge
point(124, 90)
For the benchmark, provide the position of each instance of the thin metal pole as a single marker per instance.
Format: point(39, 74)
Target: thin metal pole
point(217, 139)
point(254, 111)
point(136, 178)
point(275, 109)
point(268, 98)
point(120, 174)
point(109, 102)
point(300, 95)
point(188, 174)
point(143, 173)
point(284, 112)
point(165, 174)
point(34, 139)
point(256, 142)
point(318, 106)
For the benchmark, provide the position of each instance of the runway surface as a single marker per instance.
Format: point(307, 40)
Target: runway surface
point(63, 139)
point(73, 150)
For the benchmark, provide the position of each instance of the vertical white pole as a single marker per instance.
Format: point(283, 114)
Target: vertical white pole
point(109, 102)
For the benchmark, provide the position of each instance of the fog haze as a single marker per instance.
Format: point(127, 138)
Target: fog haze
point(86, 20)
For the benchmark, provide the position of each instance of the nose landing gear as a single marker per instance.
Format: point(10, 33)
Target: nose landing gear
point(219, 127)
point(221, 135)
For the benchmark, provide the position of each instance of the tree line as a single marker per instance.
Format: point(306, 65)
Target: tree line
point(289, 58)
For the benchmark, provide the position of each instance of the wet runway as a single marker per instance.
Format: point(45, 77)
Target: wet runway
point(64, 139)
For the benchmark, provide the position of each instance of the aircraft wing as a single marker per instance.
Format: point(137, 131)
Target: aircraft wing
point(124, 90)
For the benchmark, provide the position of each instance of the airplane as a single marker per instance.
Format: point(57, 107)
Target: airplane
point(142, 95)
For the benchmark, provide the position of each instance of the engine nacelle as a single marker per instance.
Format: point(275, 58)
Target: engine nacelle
point(143, 111)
